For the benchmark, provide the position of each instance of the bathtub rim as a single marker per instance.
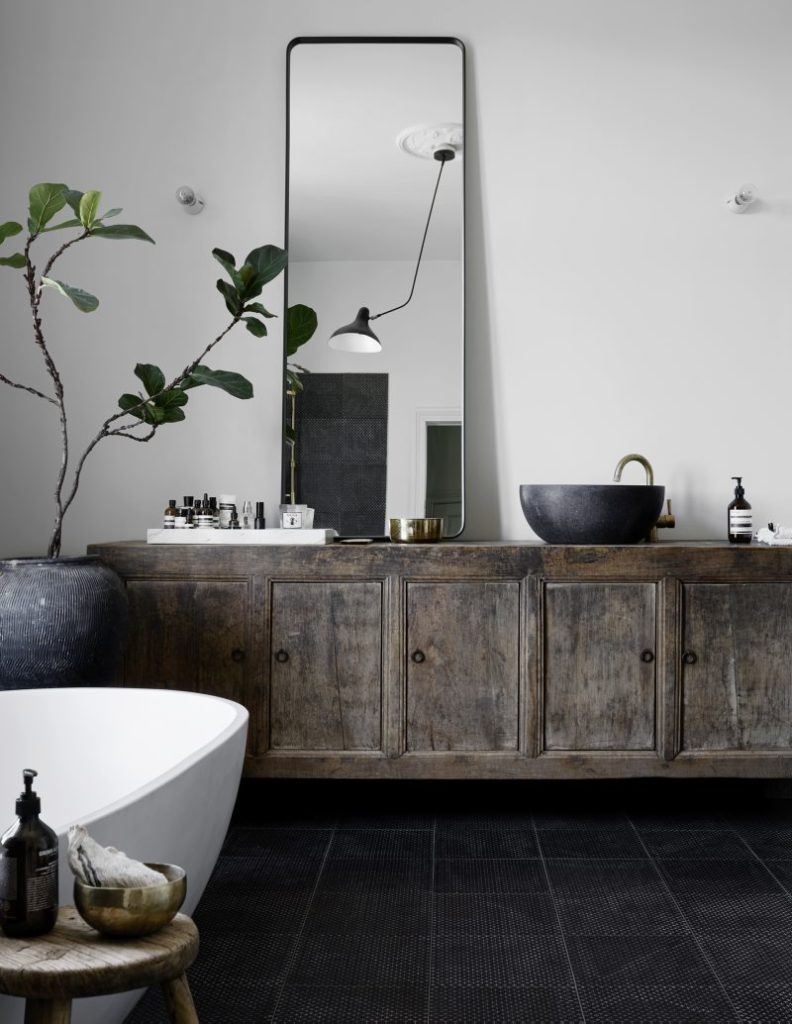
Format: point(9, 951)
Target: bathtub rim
point(240, 720)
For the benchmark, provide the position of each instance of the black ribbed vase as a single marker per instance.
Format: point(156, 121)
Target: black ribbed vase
point(62, 622)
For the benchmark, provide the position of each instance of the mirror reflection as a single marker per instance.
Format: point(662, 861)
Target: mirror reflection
point(374, 406)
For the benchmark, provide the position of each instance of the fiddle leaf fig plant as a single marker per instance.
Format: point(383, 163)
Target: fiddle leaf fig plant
point(159, 401)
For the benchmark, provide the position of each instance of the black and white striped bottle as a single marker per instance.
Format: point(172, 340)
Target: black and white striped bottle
point(740, 517)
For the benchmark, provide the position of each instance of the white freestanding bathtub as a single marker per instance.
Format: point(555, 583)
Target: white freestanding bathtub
point(152, 772)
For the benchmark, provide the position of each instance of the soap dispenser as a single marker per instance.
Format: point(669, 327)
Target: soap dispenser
point(740, 521)
point(28, 869)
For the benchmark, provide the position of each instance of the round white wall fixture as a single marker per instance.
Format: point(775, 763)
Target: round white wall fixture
point(423, 140)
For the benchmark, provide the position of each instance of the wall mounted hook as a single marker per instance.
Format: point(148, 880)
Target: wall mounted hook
point(189, 199)
point(741, 200)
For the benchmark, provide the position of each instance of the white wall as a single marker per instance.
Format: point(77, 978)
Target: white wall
point(613, 303)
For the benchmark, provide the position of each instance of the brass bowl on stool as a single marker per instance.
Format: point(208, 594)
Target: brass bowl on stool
point(134, 911)
point(416, 531)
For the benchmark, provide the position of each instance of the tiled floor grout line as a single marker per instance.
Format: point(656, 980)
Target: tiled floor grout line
point(683, 915)
point(558, 919)
point(430, 968)
point(756, 856)
point(295, 948)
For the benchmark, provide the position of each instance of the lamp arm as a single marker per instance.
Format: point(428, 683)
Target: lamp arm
point(443, 162)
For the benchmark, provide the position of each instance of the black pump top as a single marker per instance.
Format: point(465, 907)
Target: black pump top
point(28, 803)
point(739, 490)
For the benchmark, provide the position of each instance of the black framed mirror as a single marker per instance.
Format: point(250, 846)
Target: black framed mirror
point(374, 408)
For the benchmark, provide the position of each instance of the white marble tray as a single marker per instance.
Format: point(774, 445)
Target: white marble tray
point(161, 536)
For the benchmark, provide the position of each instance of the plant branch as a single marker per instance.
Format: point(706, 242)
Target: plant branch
point(24, 387)
point(107, 430)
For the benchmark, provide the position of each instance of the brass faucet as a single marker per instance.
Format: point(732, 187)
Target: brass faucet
point(666, 520)
point(634, 457)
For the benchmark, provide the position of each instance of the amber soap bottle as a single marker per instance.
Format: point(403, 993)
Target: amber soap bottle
point(740, 521)
point(28, 869)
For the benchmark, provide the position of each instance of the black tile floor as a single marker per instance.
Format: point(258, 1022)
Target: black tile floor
point(640, 902)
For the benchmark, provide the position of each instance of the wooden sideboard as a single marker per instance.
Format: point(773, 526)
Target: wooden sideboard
point(477, 660)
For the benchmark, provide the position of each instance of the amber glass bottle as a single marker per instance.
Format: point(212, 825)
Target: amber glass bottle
point(740, 517)
point(28, 869)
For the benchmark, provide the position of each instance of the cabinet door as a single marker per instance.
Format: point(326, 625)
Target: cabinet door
point(326, 662)
point(463, 666)
point(599, 666)
point(737, 666)
point(188, 635)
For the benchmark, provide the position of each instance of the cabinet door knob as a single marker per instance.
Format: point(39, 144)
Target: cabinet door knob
point(418, 657)
point(281, 655)
point(647, 656)
point(690, 657)
point(237, 655)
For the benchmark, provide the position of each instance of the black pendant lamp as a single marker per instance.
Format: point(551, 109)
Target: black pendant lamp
point(358, 336)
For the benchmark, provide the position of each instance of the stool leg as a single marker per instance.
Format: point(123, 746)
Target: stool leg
point(181, 1008)
point(47, 1011)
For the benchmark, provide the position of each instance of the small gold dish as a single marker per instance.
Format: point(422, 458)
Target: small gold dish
point(416, 531)
point(136, 911)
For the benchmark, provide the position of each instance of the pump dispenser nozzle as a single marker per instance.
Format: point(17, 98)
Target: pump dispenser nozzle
point(28, 803)
point(739, 490)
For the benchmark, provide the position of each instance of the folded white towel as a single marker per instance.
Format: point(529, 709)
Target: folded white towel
point(780, 537)
point(104, 865)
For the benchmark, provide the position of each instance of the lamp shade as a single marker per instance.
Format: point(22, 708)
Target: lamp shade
point(357, 336)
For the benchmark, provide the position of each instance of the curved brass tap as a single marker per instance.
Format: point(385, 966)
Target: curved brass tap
point(634, 457)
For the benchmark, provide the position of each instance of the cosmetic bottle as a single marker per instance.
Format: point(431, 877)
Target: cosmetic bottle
point(170, 515)
point(740, 518)
point(259, 523)
point(214, 512)
point(227, 506)
point(247, 515)
point(28, 869)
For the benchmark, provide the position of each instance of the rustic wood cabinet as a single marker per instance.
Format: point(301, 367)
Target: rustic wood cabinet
point(477, 660)
point(462, 645)
point(600, 687)
point(326, 666)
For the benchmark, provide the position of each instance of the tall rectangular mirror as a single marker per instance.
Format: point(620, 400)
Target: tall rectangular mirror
point(373, 414)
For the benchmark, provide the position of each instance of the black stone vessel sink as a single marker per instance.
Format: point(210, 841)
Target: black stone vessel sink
point(591, 513)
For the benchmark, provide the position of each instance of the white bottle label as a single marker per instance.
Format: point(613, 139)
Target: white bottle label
point(740, 520)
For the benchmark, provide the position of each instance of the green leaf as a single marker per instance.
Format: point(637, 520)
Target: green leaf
point(172, 414)
point(226, 261)
point(44, 202)
point(63, 224)
point(232, 299)
point(73, 198)
point(256, 327)
point(260, 267)
point(301, 324)
point(233, 383)
point(83, 300)
point(256, 307)
point(17, 261)
point(8, 229)
point(122, 231)
point(267, 261)
point(152, 377)
point(89, 205)
point(293, 382)
point(172, 398)
point(111, 213)
point(146, 412)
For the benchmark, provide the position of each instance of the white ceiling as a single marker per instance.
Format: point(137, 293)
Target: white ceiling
point(353, 194)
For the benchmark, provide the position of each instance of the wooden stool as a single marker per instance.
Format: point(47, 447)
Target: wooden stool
point(73, 960)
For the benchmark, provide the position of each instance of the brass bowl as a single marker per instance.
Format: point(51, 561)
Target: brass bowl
point(416, 531)
point(139, 910)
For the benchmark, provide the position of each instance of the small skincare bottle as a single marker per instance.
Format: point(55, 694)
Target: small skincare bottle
point(28, 869)
point(170, 515)
point(740, 521)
